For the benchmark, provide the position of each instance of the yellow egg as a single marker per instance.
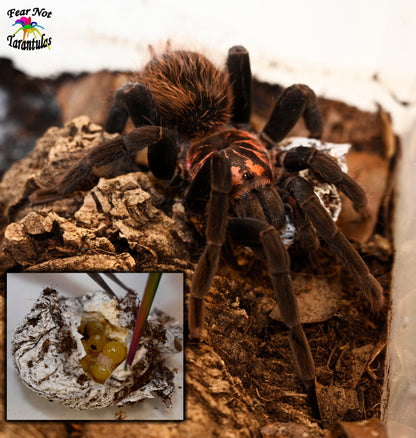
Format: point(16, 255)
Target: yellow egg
point(85, 344)
point(115, 350)
point(85, 362)
point(96, 342)
point(94, 327)
point(101, 371)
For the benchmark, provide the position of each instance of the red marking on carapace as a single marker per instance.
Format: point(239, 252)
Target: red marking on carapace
point(249, 161)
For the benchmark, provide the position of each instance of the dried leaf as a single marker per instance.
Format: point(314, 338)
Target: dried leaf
point(359, 358)
point(389, 138)
point(318, 298)
point(335, 402)
point(291, 430)
point(371, 172)
point(372, 427)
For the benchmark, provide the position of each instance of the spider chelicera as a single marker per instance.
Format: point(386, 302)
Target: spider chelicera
point(181, 104)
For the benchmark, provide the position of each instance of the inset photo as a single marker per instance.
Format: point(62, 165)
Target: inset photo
point(88, 346)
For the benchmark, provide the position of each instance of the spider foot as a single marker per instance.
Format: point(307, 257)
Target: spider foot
point(304, 157)
point(238, 64)
point(196, 318)
point(134, 100)
point(44, 194)
point(294, 102)
point(374, 293)
point(302, 356)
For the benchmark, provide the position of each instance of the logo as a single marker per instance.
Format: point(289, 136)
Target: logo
point(28, 36)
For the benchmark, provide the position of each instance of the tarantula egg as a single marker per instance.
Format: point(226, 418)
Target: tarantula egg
point(72, 351)
point(103, 355)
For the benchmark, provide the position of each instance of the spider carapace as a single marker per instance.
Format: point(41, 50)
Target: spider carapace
point(179, 101)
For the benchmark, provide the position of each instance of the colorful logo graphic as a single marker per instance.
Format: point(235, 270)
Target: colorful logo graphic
point(32, 38)
point(29, 27)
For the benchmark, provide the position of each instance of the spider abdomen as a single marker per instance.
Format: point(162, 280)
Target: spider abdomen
point(192, 95)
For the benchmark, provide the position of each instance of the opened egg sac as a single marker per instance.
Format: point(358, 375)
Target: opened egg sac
point(72, 351)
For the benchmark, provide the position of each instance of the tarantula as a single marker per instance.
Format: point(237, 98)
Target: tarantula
point(181, 101)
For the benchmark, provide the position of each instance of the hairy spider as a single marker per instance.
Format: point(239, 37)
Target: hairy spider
point(181, 102)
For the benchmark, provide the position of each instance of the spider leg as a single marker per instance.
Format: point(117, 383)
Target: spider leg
point(162, 151)
point(215, 237)
point(339, 244)
point(198, 193)
point(306, 233)
point(135, 100)
point(294, 102)
point(303, 157)
point(264, 204)
point(22, 28)
point(252, 232)
point(238, 65)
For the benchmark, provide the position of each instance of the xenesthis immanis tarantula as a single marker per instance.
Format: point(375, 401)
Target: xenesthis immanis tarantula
point(239, 181)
